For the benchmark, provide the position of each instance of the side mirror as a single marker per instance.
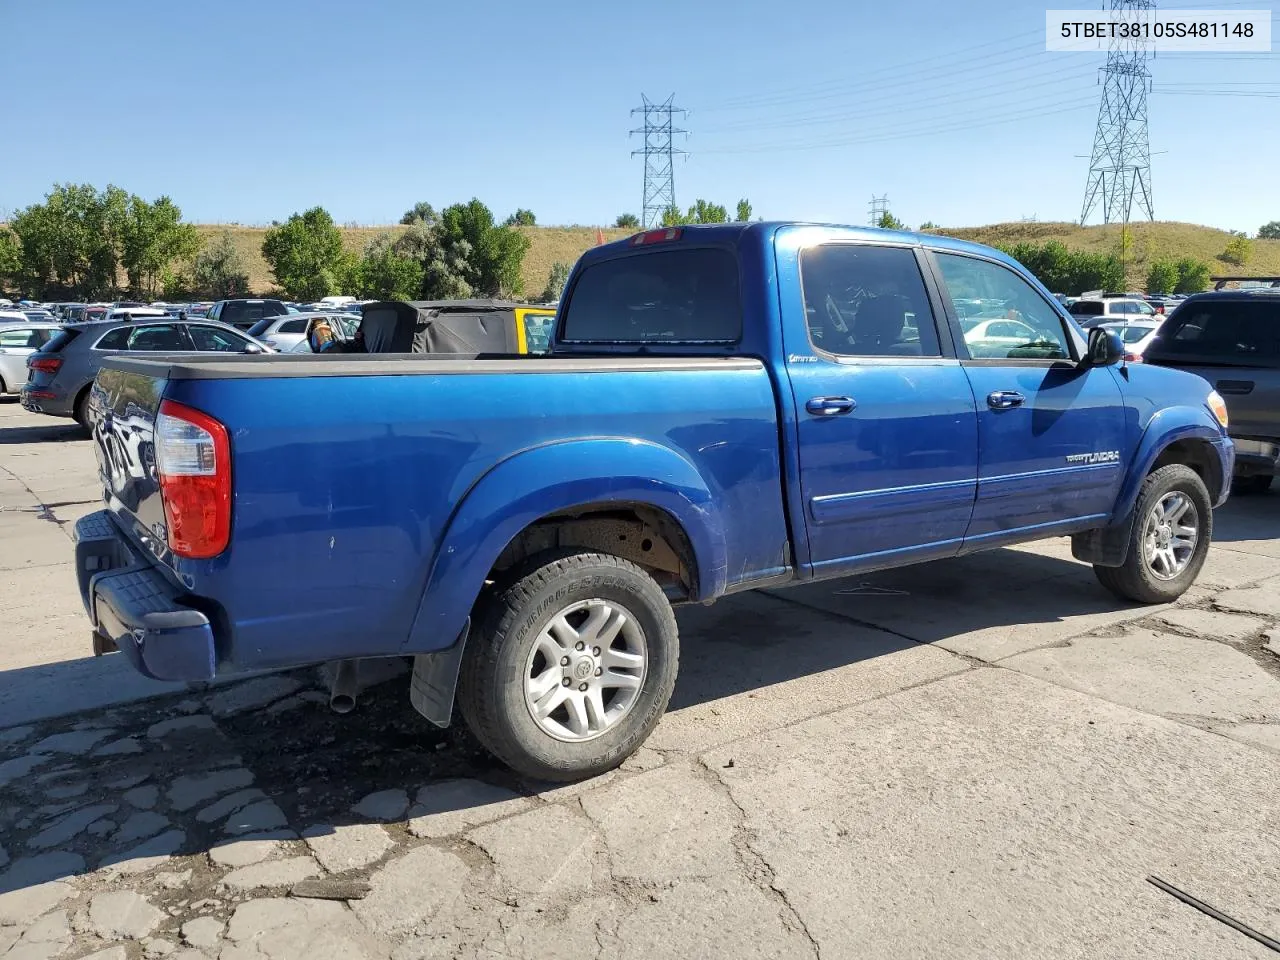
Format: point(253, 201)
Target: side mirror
point(253, 348)
point(1105, 348)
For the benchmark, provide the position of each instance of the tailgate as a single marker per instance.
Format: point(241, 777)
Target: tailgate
point(122, 415)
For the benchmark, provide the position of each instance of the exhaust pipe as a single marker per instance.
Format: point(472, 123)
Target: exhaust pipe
point(345, 686)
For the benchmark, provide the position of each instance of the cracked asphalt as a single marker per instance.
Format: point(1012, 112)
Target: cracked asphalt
point(984, 757)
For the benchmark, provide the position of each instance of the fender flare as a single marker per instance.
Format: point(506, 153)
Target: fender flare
point(528, 486)
point(1168, 426)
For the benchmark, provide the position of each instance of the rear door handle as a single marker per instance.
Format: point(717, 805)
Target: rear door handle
point(1005, 399)
point(830, 406)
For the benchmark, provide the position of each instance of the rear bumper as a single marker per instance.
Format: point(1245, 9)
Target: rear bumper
point(1256, 458)
point(44, 400)
point(132, 604)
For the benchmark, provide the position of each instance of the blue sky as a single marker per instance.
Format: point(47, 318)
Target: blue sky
point(247, 111)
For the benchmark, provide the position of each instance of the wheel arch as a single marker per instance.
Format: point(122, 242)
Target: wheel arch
point(574, 493)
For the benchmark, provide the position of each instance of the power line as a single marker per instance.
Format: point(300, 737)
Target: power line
point(659, 152)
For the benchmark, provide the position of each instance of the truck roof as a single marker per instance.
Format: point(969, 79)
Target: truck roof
point(731, 233)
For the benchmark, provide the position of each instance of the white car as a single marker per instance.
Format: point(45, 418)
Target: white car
point(1090, 311)
point(1136, 334)
point(286, 332)
point(133, 313)
point(17, 342)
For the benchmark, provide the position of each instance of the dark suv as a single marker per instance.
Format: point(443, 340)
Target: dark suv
point(243, 314)
point(1232, 339)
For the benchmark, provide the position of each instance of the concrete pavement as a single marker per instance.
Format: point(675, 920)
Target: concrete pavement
point(973, 758)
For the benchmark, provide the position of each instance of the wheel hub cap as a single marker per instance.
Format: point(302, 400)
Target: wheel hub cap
point(1170, 535)
point(585, 670)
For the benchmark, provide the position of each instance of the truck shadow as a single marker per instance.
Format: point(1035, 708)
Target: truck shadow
point(1247, 518)
point(125, 790)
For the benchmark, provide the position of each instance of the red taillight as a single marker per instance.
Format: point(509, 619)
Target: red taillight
point(44, 364)
point(665, 235)
point(193, 462)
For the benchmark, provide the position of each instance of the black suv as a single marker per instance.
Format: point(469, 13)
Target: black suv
point(245, 313)
point(1232, 339)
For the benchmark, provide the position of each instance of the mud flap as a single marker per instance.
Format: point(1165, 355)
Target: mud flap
point(1104, 546)
point(435, 678)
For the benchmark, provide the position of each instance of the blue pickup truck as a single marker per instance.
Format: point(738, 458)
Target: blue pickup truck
point(723, 408)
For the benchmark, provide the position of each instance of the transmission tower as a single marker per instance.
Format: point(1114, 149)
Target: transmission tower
point(879, 207)
point(1120, 166)
point(659, 151)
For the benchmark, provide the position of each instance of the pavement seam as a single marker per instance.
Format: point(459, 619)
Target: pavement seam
point(756, 867)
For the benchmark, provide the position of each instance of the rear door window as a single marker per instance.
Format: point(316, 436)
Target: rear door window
point(160, 336)
point(1230, 332)
point(1086, 308)
point(867, 301)
point(292, 326)
point(667, 296)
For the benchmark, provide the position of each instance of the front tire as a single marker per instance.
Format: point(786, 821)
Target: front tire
point(1172, 529)
point(571, 665)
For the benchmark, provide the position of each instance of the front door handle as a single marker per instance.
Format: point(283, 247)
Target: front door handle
point(1005, 399)
point(830, 406)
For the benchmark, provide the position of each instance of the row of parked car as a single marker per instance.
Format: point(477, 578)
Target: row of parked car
point(51, 353)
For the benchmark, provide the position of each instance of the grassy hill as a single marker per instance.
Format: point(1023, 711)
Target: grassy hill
point(1150, 241)
point(547, 246)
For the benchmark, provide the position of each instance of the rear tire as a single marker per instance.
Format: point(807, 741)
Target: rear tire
point(81, 408)
point(1251, 486)
point(1163, 558)
point(570, 666)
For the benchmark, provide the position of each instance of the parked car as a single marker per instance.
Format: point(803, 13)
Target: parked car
point(17, 342)
point(288, 330)
point(122, 314)
point(62, 371)
point(723, 408)
point(1231, 338)
point(1090, 311)
point(13, 316)
point(243, 314)
point(1136, 335)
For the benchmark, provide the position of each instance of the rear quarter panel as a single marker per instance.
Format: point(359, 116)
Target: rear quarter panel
point(345, 487)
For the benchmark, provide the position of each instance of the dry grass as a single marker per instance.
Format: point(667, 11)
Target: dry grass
point(549, 245)
point(1151, 241)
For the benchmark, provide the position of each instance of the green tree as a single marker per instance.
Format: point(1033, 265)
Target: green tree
point(674, 217)
point(1269, 231)
point(627, 221)
point(495, 254)
point(1068, 271)
point(69, 243)
point(702, 211)
point(10, 258)
point(446, 273)
point(743, 213)
point(1162, 276)
point(305, 255)
point(420, 212)
point(521, 218)
point(888, 221)
point(1193, 275)
point(928, 225)
point(153, 238)
point(1239, 250)
point(219, 270)
point(555, 283)
point(384, 273)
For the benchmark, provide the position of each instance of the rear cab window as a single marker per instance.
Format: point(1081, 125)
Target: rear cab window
point(688, 295)
point(1242, 333)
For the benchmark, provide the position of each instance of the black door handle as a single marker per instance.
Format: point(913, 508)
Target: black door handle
point(1234, 388)
point(1005, 399)
point(830, 406)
